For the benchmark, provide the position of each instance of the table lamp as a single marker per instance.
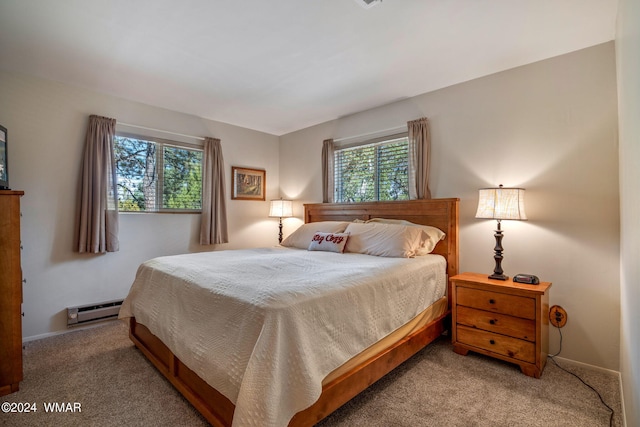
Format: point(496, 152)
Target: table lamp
point(500, 203)
point(281, 209)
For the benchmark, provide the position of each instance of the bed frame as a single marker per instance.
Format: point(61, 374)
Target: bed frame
point(218, 410)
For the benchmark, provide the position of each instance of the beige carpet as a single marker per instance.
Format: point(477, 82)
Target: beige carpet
point(115, 386)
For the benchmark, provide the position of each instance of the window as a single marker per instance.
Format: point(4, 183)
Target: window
point(156, 175)
point(374, 170)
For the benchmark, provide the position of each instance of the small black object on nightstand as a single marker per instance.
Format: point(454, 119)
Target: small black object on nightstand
point(529, 279)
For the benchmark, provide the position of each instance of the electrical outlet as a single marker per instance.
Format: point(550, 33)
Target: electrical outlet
point(557, 316)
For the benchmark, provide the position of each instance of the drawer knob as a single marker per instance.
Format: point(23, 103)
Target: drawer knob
point(492, 342)
point(492, 321)
point(492, 301)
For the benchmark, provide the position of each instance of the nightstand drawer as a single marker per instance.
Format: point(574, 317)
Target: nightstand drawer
point(496, 343)
point(511, 305)
point(499, 323)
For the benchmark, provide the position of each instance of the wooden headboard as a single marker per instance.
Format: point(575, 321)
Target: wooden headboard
point(441, 213)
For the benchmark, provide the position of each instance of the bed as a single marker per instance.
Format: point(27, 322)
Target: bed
point(188, 369)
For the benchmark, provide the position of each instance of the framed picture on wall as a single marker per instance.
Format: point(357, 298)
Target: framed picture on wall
point(4, 159)
point(247, 184)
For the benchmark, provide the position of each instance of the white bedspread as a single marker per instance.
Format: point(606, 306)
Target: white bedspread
point(265, 326)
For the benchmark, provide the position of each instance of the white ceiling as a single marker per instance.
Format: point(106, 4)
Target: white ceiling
point(283, 65)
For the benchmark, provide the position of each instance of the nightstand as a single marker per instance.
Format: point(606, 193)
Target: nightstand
point(501, 319)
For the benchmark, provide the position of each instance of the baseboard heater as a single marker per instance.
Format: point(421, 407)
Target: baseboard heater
point(89, 313)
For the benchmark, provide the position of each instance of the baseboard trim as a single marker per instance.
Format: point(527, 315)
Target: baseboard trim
point(66, 331)
point(624, 411)
point(587, 366)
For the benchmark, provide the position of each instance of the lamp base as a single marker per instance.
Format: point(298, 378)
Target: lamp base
point(497, 271)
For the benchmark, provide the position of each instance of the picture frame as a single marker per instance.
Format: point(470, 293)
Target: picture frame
point(247, 184)
point(4, 159)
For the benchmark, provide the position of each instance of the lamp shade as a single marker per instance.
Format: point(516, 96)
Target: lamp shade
point(281, 208)
point(501, 203)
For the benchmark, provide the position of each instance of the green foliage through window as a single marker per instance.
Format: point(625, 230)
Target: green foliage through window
point(156, 175)
point(374, 171)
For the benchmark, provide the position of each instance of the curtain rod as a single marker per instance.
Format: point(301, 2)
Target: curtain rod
point(397, 128)
point(159, 130)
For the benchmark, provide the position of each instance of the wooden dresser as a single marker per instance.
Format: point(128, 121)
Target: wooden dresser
point(501, 319)
point(10, 293)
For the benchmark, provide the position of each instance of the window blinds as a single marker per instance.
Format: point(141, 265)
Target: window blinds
point(372, 171)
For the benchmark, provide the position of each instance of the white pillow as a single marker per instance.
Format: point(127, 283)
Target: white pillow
point(302, 236)
point(434, 234)
point(387, 240)
point(329, 242)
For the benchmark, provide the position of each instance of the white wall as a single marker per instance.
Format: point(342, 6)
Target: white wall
point(628, 66)
point(46, 124)
point(550, 127)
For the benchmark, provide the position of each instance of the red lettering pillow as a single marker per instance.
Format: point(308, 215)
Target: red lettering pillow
point(302, 236)
point(329, 242)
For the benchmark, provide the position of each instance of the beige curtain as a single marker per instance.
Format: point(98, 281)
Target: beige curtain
point(419, 153)
point(97, 217)
point(213, 224)
point(328, 151)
